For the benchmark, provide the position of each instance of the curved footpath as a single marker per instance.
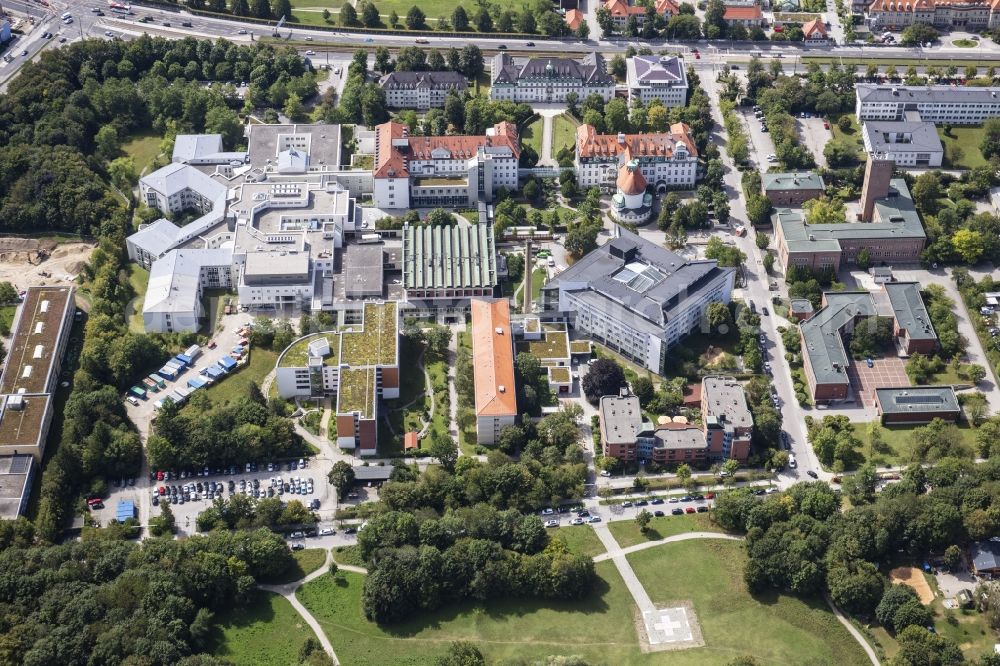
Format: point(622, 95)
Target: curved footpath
point(288, 592)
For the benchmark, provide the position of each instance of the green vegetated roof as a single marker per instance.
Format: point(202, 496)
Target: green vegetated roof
point(580, 347)
point(554, 345)
point(560, 374)
point(297, 353)
point(357, 392)
point(376, 342)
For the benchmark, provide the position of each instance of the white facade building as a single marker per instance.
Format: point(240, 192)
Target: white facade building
point(549, 79)
point(667, 161)
point(907, 143)
point(443, 171)
point(935, 104)
point(657, 77)
point(421, 90)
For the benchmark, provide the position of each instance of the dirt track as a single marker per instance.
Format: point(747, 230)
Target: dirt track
point(27, 262)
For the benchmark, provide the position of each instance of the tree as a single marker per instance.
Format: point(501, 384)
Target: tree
point(415, 19)
point(642, 519)
point(8, 294)
point(582, 239)
point(459, 19)
point(768, 261)
point(122, 173)
point(856, 586)
point(605, 377)
point(348, 14)
point(642, 388)
point(926, 191)
point(762, 241)
point(282, 8)
point(393, 19)
point(106, 141)
point(462, 653)
point(976, 373)
point(483, 20)
point(824, 210)
point(990, 144)
point(444, 449)
point(952, 558)
point(342, 477)
point(617, 66)
point(726, 255)
point(917, 34)
point(718, 317)
point(860, 487)
point(326, 15)
point(969, 245)
point(369, 15)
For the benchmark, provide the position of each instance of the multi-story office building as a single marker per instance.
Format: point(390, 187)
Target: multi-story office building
point(971, 15)
point(420, 90)
point(935, 104)
point(667, 161)
point(907, 143)
point(359, 364)
point(638, 298)
point(549, 79)
point(657, 77)
point(493, 368)
point(443, 171)
point(726, 418)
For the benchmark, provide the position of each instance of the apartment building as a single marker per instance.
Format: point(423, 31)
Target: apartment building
point(971, 15)
point(726, 418)
point(358, 363)
point(895, 235)
point(637, 297)
point(667, 161)
point(421, 90)
point(622, 10)
point(792, 189)
point(662, 78)
point(908, 143)
point(443, 171)
point(954, 105)
point(493, 368)
point(824, 355)
point(628, 437)
point(549, 79)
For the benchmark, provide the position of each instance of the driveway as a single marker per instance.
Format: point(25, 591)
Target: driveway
point(814, 137)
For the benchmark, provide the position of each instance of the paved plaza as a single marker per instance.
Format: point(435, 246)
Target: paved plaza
point(884, 373)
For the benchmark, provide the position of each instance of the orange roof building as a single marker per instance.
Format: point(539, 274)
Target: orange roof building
point(442, 171)
point(814, 30)
point(493, 366)
point(667, 160)
point(971, 15)
point(621, 10)
point(411, 441)
point(630, 181)
point(748, 15)
point(574, 18)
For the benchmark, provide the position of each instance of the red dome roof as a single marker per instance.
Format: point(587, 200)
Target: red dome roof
point(630, 179)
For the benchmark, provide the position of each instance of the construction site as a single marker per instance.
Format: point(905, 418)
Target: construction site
point(28, 262)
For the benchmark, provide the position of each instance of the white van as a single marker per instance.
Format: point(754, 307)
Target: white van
point(66, 15)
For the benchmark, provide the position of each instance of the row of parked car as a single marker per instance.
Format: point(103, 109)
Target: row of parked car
point(232, 470)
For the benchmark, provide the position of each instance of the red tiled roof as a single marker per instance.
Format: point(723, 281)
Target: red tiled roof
point(493, 358)
point(410, 441)
point(816, 26)
point(923, 5)
point(591, 144)
point(574, 18)
point(623, 8)
point(391, 160)
point(742, 13)
point(630, 180)
point(667, 7)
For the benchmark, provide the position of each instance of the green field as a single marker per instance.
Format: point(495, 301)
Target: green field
point(961, 147)
point(138, 277)
point(310, 12)
point(531, 135)
point(563, 133)
point(235, 385)
point(852, 136)
point(899, 440)
point(579, 539)
point(304, 563)
point(143, 148)
point(600, 628)
point(774, 628)
point(627, 533)
point(348, 555)
point(267, 631)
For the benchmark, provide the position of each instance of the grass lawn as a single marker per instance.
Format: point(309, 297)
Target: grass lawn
point(600, 629)
point(138, 277)
point(7, 313)
point(579, 539)
point(348, 555)
point(961, 147)
point(532, 136)
point(774, 628)
point(235, 386)
point(563, 133)
point(304, 563)
point(851, 136)
point(627, 533)
point(899, 443)
point(267, 631)
point(965, 43)
point(143, 148)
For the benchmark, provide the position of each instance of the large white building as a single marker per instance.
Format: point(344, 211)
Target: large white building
point(936, 104)
point(443, 171)
point(638, 298)
point(549, 79)
point(273, 225)
point(910, 144)
point(657, 77)
point(667, 161)
point(421, 90)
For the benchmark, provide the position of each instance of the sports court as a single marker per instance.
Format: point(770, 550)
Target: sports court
point(884, 373)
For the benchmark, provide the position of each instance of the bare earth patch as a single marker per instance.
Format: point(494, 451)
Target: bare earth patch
point(913, 577)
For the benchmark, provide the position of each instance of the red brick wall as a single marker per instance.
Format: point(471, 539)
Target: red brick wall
point(390, 377)
point(367, 438)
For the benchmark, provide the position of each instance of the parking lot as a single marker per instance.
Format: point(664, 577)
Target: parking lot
point(814, 136)
point(761, 144)
point(884, 373)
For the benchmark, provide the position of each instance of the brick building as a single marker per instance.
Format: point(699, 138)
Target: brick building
point(726, 418)
point(917, 404)
point(792, 189)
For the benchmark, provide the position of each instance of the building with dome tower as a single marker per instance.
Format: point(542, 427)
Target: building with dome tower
point(631, 203)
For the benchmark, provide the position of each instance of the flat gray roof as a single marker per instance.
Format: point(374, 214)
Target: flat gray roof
point(797, 180)
point(873, 92)
point(15, 484)
point(883, 136)
point(821, 334)
point(323, 151)
point(724, 399)
point(917, 399)
point(909, 310)
point(689, 437)
point(362, 274)
point(621, 419)
point(268, 263)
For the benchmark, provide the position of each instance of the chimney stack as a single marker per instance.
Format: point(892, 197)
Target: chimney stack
point(878, 173)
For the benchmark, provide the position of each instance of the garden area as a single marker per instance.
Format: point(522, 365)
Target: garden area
point(143, 148)
point(961, 147)
point(848, 135)
point(775, 628)
point(531, 135)
point(895, 445)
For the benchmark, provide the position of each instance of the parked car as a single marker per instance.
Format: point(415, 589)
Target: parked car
point(702, 509)
point(296, 535)
point(690, 509)
point(594, 519)
point(297, 546)
point(657, 500)
point(327, 531)
point(677, 511)
point(658, 513)
point(551, 523)
point(812, 474)
point(576, 521)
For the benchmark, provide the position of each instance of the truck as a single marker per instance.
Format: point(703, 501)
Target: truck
point(158, 381)
point(369, 238)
